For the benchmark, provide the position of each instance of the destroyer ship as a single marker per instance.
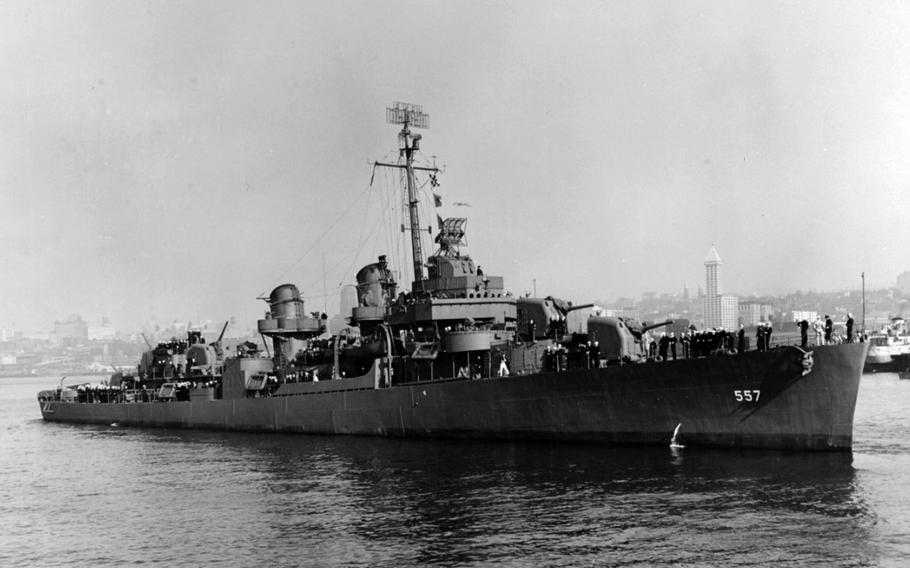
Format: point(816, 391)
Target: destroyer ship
point(458, 356)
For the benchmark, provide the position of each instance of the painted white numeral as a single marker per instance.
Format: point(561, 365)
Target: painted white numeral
point(747, 395)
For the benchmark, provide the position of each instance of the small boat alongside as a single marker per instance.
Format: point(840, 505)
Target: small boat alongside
point(889, 349)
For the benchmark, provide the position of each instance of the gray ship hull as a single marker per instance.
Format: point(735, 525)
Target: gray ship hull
point(772, 399)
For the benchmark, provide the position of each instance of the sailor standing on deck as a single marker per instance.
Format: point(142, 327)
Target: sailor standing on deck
point(819, 329)
point(849, 328)
point(503, 366)
point(663, 345)
point(829, 328)
point(804, 334)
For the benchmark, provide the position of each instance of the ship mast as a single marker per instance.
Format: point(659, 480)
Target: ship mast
point(409, 115)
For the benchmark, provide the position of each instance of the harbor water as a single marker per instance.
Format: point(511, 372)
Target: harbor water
point(113, 496)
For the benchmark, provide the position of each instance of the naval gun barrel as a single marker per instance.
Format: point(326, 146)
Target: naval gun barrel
point(637, 329)
point(655, 325)
point(581, 307)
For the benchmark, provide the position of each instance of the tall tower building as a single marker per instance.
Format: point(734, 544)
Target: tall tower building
point(720, 310)
point(903, 281)
point(712, 288)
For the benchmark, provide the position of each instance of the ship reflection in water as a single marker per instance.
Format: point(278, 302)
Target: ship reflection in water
point(388, 502)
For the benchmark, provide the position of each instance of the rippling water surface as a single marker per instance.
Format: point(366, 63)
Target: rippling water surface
point(110, 496)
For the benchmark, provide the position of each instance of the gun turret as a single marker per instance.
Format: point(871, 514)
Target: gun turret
point(620, 338)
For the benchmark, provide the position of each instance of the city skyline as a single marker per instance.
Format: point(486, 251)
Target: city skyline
point(718, 310)
point(617, 303)
point(174, 162)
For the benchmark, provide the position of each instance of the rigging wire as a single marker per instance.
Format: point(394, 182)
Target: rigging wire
point(350, 260)
point(366, 235)
point(363, 243)
point(317, 241)
point(353, 253)
point(392, 209)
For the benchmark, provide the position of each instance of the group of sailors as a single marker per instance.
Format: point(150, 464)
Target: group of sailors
point(693, 343)
point(703, 342)
point(137, 392)
point(824, 332)
point(310, 375)
point(585, 355)
point(667, 346)
point(173, 346)
point(763, 335)
point(97, 393)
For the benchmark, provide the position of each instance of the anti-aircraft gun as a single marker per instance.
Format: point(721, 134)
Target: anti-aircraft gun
point(203, 358)
point(162, 361)
point(620, 338)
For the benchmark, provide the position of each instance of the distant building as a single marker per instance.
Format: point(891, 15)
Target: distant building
point(799, 315)
point(729, 312)
point(720, 310)
point(101, 333)
point(751, 313)
point(73, 331)
point(632, 313)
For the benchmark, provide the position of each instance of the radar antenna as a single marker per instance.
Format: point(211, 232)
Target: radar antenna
point(451, 236)
point(408, 115)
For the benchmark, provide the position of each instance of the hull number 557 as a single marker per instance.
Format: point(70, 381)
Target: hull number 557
point(746, 395)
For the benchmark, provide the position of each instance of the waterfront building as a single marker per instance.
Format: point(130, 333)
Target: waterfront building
point(752, 313)
point(73, 331)
point(104, 332)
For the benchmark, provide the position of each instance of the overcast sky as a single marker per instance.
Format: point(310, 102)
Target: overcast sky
point(174, 160)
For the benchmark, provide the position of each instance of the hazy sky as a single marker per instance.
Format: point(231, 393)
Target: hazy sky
point(174, 160)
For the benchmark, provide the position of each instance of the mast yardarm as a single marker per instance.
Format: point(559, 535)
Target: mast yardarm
point(408, 115)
